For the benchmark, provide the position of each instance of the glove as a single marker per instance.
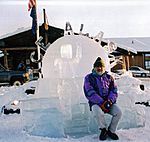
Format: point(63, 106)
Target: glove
point(106, 106)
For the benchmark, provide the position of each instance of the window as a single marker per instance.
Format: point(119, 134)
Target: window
point(147, 64)
point(147, 61)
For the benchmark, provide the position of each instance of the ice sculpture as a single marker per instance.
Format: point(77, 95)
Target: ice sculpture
point(63, 106)
point(64, 66)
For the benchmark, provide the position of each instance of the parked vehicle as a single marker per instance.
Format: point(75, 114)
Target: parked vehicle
point(12, 77)
point(119, 71)
point(138, 71)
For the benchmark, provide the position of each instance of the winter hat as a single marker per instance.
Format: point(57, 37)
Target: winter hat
point(99, 63)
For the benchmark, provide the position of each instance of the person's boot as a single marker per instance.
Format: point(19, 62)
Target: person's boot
point(103, 134)
point(113, 136)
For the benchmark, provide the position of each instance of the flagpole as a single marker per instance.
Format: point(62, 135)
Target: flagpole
point(45, 27)
point(37, 38)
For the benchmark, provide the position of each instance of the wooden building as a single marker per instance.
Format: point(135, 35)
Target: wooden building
point(141, 45)
point(19, 45)
point(124, 53)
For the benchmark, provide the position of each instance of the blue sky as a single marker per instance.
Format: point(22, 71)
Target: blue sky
point(116, 18)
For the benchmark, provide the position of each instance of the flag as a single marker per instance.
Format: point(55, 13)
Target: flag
point(34, 19)
point(31, 4)
point(32, 7)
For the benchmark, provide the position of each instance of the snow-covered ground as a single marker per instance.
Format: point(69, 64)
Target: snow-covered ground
point(12, 126)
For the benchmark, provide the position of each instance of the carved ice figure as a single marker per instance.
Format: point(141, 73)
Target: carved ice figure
point(60, 91)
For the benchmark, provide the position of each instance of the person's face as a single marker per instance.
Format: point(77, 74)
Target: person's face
point(100, 70)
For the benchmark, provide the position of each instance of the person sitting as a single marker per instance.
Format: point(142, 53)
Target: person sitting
point(101, 92)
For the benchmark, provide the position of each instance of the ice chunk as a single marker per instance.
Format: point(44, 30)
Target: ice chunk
point(42, 117)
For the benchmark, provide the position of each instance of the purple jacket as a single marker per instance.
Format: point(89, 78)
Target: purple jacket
point(98, 88)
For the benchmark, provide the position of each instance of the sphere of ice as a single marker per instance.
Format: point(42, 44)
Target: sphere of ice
point(72, 56)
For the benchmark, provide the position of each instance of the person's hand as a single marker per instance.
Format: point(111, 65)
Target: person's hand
point(106, 106)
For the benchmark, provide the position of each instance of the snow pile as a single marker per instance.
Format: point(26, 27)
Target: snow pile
point(133, 115)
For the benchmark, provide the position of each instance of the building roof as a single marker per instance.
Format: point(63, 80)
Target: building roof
point(19, 30)
point(121, 49)
point(139, 44)
point(25, 38)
